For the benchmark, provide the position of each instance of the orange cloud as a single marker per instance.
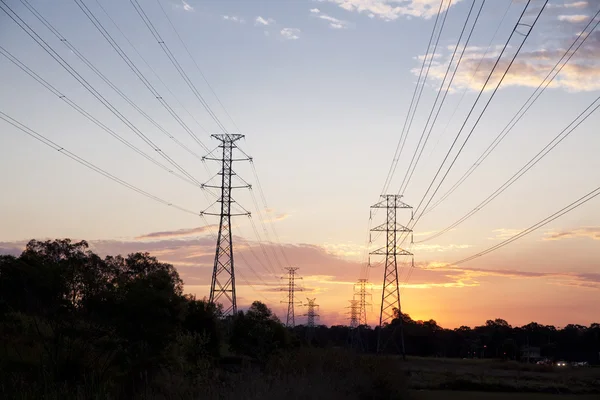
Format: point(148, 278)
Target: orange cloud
point(178, 233)
point(592, 232)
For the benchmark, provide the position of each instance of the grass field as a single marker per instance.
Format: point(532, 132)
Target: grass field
point(498, 377)
point(455, 395)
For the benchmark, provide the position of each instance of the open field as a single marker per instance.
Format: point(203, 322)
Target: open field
point(455, 395)
point(499, 376)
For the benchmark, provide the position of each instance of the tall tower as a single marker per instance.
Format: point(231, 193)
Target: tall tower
point(222, 286)
point(311, 314)
point(290, 321)
point(390, 295)
point(354, 313)
point(361, 291)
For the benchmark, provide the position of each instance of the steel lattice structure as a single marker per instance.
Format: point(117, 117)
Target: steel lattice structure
point(361, 291)
point(311, 314)
point(290, 321)
point(222, 287)
point(354, 313)
point(390, 294)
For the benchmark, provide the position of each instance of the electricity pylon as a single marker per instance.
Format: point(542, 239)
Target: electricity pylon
point(311, 314)
point(354, 313)
point(222, 286)
point(361, 292)
point(290, 321)
point(390, 295)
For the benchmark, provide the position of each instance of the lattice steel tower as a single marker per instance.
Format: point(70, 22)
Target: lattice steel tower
point(222, 286)
point(311, 314)
point(354, 313)
point(290, 321)
point(361, 292)
point(390, 295)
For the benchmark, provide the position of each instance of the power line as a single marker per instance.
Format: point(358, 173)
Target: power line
point(537, 158)
point(577, 203)
point(149, 66)
point(98, 25)
point(474, 74)
point(46, 47)
point(53, 145)
point(103, 77)
point(480, 115)
point(483, 110)
point(196, 64)
point(175, 63)
point(86, 163)
point(409, 173)
point(524, 108)
point(400, 145)
point(86, 114)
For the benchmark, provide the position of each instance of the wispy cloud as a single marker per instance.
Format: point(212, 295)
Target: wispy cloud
point(186, 6)
point(183, 5)
point(290, 33)
point(471, 275)
point(582, 73)
point(576, 4)
point(440, 247)
point(573, 18)
point(504, 233)
point(260, 21)
point(178, 233)
point(234, 18)
point(276, 217)
point(334, 23)
point(591, 232)
point(390, 10)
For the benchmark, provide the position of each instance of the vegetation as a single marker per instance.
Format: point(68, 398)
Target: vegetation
point(74, 325)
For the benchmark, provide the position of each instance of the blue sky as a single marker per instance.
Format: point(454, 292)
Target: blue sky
point(321, 90)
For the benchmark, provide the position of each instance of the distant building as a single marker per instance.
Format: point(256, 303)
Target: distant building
point(530, 353)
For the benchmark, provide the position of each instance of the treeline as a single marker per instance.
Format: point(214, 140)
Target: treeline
point(495, 339)
point(72, 321)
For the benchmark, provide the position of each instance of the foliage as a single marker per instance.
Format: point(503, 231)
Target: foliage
point(76, 325)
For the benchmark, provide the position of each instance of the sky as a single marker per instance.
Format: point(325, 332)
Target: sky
point(321, 90)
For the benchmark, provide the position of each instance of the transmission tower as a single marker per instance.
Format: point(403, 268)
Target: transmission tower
point(222, 286)
point(311, 315)
point(354, 313)
point(390, 295)
point(361, 291)
point(291, 289)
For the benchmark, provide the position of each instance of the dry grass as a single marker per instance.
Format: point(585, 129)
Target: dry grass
point(495, 376)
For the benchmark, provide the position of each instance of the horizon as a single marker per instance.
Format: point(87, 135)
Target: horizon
point(321, 90)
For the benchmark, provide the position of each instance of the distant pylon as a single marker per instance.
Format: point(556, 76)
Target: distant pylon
point(290, 321)
point(311, 314)
point(354, 313)
point(361, 292)
point(222, 286)
point(390, 295)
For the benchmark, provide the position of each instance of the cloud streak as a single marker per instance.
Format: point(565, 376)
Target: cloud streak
point(290, 33)
point(260, 21)
point(390, 10)
point(581, 74)
point(234, 18)
point(178, 233)
point(573, 18)
point(591, 232)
